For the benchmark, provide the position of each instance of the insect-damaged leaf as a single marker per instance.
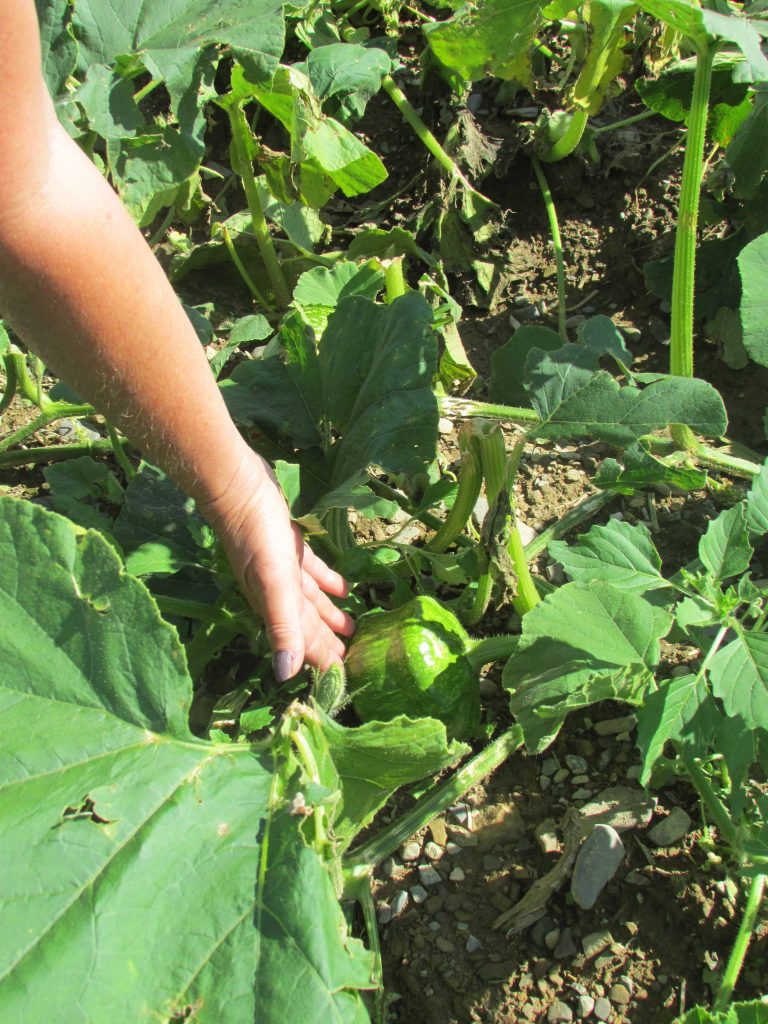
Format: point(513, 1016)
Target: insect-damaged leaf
point(137, 872)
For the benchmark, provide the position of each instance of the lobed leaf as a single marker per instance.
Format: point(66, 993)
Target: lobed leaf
point(739, 674)
point(616, 553)
point(725, 549)
point(753, 268)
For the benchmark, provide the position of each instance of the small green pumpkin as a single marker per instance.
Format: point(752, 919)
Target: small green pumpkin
point(413, 661)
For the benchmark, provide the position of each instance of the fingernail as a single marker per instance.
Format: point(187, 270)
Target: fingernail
point(282, 665)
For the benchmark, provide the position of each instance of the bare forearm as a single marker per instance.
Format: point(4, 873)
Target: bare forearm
point(81, 287)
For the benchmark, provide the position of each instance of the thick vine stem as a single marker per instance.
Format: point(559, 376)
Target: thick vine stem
point(11, 382)
point(241, 269)
point(360, 864)
point(455, 408)
point(395, 279)
point(569, 140)
point(684, 274)
point(53, 411)
point(240, 130)
point(57, 453)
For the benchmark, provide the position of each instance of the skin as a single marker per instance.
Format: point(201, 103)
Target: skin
point(80, 286)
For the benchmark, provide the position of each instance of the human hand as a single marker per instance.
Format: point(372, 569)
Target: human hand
point(283, 580)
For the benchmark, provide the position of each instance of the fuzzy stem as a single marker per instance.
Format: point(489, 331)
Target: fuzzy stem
point(527, 596)
point(740, 946)
point(491, 648)
point(684, 274)
point(119, 452)
point(244, 168)
point(11, 381)
point(56, 453)
point(557, 245)
point(586, 508)
point(465, 408)
point(364, 859)
point(53, 411)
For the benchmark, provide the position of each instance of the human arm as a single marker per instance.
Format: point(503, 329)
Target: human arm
point(81, 287)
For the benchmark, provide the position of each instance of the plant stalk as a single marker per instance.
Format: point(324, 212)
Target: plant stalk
point(11, 382)
point(362, 861)
point(118, 449)
point(56, 453)
point(395, 280)
point(53, 411)
point(684, 274)
point(240, 266)
point(557, 245)
point(240, 136)
point(464, 408)
point(492, 648)
point(740, 946)
point(574, 517)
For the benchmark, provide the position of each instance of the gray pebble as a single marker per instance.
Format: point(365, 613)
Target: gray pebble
point(544, 783)
point(428, 875)
point(474, 102)
point(566, 945)
point(559, 1011)
point(602, 1009)
point(473, 944)
point(452, 849)
point(561, 775)
point(457, 875)
point(579, 780)
point(596, 942)
point(577, 764)
point(552, 938)
point(584, 1007)
point(433, 851)
point(582, 794)
point(410, 850)
point(389, 867)
point(546, 836)
point(399, 903)
point(527, 534)
point(444, 944)
point(612, 726)
point(672, 828)
point(418, 893)
point(384, 913)
point(597, 862)
point(548, 766)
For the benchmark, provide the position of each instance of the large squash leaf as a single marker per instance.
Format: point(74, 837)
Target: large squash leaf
point(145, 869)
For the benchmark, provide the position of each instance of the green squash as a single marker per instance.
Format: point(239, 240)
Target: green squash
point(413, 661)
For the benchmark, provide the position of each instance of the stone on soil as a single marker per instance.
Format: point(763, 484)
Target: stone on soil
point(619, 994)
point(559, 1011)
point(566, 945)
point(621, 807)
point(473, 944)
point(428, 875)
point(597, 862)
point(418, 894)
point(614, 726)
point(596, 942)
point(584, 1006)
point(671, 828)
point(410, 851)
point(399, 903)
point(433, 851)
point(577, 764)
point(602, 1009)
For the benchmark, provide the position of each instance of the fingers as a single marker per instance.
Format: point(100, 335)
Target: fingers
point(333, 617)
point(328, 580)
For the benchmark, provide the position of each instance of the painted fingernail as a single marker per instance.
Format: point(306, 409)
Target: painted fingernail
point(282, 665)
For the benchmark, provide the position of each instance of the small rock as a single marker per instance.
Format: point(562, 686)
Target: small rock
point(577, 764)
point(444, 944)
point(548, 766)
point(540, 929)
point(581, 794)
point(555, 574)
point(428, 875)
point(671, 828)
point(452, 849)
point(527, 533)
point(463, 838)
point(390, 867)
point(491, 863)
point(552, 938)
point(619, 994)
point(561, 775)
point(433, 851)
point(584, 1006)
point(474, 102)
point(544, 783)
point(457, 875)
point(621, 807)
point(597, 862)
point(473, 944)
point(399, 903)
point(594, 943)
point(384, 913)
point(444, 425)
point(546, 836)
point(501, 971)
point(566, 945)
point(435, 903)
point(439, 831)
point(418, 893)
point(559, 1011)
point(410, 851)
point(579, 780)
point(602, 1009)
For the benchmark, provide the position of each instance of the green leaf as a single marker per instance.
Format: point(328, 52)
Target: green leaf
point(100, 778)
point(738, 745)
point(57, 46)
point(603, 337)
point(757, 503)
point(108, 102)
point(681, 710)
point(725, 549)
point(579, 645)
point(171, 35)
point(755, 1012)
point(347, 69)
point(747, 155)
point(574, 401)
point(641, 469)
point(606, 21)
point(508, 363)
point(617, 553)
point(492, 37)
point(79, 487)
point(375, 759)
point(739, 674)
point(153, 171)
point(753, 268)
point(355, 493)
point(319, 290)
point(157, 525)
point(386, 244)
